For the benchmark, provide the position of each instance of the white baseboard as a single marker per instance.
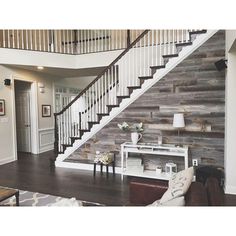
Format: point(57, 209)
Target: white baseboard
point(42, 150)
point(83, 166)
point(6, 160)
point(230, 189)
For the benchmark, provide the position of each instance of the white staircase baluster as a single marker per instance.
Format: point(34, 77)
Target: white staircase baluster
point(13, 38)
point(161, 47)
point(31, 39)
point(22, 39)
point(71, 42)
point(156, 44)
point(4, 38)
point(44, 40)
point(17, 40)
point(8, 39)
point(60, 41)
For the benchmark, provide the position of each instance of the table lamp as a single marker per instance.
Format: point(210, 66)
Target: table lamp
point(178, 122)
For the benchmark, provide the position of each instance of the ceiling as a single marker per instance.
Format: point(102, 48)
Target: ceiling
point(62, 72)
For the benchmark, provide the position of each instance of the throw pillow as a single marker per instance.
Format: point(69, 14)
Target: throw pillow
point(64, 202)
point(178, 185)
point(179, 201)
point(178, 177)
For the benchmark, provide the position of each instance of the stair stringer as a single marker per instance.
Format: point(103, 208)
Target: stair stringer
point(173, 62)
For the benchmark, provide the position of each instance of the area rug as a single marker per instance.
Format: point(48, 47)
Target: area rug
point(39, 199)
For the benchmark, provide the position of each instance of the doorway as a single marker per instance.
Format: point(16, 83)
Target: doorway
point(23, 115)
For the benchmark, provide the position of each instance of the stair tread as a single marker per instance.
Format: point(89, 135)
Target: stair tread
point(158, 67)
point(103, 114)
point(123, 96)
point(75, 137)
point(198, 32)
point(145, 77)
point(170, 55)
point(134, 87)
point(67, 145)
point(112, 105)
point(184, 44)
point(93, 122)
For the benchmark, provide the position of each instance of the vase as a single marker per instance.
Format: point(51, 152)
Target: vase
point(135, 137)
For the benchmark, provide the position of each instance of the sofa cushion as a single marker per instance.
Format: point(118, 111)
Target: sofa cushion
point(179, 201)
point(178, 184)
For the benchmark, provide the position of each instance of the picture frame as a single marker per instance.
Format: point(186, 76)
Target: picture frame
point(2, 107)
point(46, 110)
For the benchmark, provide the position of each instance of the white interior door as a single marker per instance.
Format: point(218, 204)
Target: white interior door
point(23, 125)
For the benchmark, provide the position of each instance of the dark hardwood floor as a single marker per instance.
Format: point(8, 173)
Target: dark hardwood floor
point(37, 173)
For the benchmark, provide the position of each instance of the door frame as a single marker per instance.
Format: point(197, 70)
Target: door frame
point(33, 115)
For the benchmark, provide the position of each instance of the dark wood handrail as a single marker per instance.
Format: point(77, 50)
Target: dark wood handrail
point(103, 72)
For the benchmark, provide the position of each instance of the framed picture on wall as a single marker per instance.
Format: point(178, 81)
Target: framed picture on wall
point(2, 107)
point(46, 110)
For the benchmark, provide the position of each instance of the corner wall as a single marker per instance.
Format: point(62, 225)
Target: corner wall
point(45, 125)
point(230, 147)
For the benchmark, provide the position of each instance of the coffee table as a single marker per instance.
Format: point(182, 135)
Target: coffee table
point(6, 193)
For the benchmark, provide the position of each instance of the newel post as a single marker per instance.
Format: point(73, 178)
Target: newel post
point(55, 134)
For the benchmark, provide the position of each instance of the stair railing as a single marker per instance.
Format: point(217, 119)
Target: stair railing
point(147, 53)
point(73, 42)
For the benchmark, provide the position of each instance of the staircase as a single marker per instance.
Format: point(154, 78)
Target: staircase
point(144, 62)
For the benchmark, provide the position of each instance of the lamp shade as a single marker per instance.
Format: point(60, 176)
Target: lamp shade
point(178, 121)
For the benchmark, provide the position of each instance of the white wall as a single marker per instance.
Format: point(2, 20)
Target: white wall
point(7, 122)
point(230, 39)
point(45, 126)
point(32, 58)
point(75, 82)
point(230, 124)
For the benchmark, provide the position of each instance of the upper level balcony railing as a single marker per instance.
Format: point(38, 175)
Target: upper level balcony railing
point(73, 42)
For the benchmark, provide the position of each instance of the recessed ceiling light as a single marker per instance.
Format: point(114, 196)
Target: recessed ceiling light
point(40, 67)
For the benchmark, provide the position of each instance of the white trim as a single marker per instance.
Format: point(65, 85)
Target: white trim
point(34, 119)
point(33, 115)
point(173, 62)
point(14, 136)
point(7, 160)
point(84, 166)
point(230, 189)
point(45, 129)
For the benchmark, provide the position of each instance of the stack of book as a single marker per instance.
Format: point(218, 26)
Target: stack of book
point(134, 164)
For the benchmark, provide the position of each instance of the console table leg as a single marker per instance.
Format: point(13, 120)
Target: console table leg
point(107, 169)
point(113, 168)
point(101, 168)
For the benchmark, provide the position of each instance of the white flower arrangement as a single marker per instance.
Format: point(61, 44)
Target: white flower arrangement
point(132, 128)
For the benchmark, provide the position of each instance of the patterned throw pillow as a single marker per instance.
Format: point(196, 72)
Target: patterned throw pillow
point(178, 185)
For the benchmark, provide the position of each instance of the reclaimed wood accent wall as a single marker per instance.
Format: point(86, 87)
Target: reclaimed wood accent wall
point(194, 87)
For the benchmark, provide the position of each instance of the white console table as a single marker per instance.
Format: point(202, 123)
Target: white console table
point(149, 148)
